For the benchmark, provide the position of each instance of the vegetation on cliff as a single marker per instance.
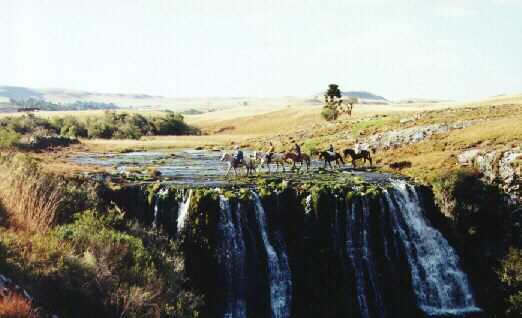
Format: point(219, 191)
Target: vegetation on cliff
point(80, 256)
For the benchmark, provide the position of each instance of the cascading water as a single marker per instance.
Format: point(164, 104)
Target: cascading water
point(278, 268)
point(157, 200)
point(391, 261)
point(360, 254)
point(440, 287)
point(231, 259)
point(183, 211)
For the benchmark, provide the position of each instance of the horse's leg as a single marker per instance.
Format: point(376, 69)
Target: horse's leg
point(330, 164)
point(228, 170)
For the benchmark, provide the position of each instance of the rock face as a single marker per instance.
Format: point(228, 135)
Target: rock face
point(397, 138)
point(503, 167)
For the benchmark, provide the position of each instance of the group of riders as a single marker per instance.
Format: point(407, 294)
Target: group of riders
point(294, 156)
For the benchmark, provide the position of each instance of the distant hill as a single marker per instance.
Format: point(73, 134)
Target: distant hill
point(364, 97)
point(16, 92)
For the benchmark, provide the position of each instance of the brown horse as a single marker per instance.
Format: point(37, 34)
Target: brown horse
point(328, 158)
point(364, 154)
point(290, 156)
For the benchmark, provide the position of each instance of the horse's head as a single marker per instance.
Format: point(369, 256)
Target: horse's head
point(224, 157)
point(322, 155)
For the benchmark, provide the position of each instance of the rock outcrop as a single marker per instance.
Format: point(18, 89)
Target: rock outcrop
point(397, 138)
point(503, 167)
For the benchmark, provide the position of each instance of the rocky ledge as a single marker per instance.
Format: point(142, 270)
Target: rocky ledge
point(499, 166)
point(398, 138)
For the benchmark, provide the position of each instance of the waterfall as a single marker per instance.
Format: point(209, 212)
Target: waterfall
point(440, 287)
point(279, 276)
point(231, 256)
point(382, 258)
point(157, 209)
point(183, 211)
point(360, 255)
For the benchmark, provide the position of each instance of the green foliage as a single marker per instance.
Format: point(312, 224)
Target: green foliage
point(8, 138)
point(109, 125)
point(510, 274)
point(42, 104)
point(69, 126)
point(330, 114)
point(133, 268)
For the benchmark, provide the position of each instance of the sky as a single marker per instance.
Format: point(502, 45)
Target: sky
point(449, 49)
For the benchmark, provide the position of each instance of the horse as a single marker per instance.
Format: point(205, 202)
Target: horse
point(290, 156)
point(277, 158)
point(328, 158)
point(364, 154)
point(248, 163)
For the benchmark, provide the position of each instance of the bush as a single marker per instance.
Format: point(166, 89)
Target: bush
point(510, 274)
point(109, 125)
point(330, 114)
point(135, 270)
point(8, 138)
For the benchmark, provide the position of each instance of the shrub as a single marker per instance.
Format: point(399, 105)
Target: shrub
point(134, 270)
point(16, 306)
point(330, 114)
point(510, 274)
point(8, 138)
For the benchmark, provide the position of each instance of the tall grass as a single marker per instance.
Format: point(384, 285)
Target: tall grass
point(16, 306)
point(30, 198)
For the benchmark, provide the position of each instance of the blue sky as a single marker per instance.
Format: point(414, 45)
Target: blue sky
point(455, 49)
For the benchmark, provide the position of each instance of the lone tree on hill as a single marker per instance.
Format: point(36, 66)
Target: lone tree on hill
point(334, 103)
point(332, 92)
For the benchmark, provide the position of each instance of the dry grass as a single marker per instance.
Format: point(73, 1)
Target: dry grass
point(163, 142)
point(30, 198)
point(15, 306)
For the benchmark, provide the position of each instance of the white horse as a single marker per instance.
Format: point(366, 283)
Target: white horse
point(248, 163)
point(277, 158)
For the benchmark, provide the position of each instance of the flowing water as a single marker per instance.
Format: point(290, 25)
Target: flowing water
point(440, 286)
point(278, 269)
point(232, 260)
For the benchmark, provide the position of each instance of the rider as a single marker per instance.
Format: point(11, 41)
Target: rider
point(297, 150)
point(357, 147)
point(331, 150)
point(270, 152)
point(238, 155)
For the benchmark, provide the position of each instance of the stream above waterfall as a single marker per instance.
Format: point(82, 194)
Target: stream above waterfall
point(202, 167)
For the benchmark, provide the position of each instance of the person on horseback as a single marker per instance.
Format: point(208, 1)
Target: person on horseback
point(331, 151)
point(297, 150)
point(238, 156)
point(357, 147)
point(270, 152)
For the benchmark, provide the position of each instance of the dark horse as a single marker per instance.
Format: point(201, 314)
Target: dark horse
point(328, 158)
point(364, 154)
